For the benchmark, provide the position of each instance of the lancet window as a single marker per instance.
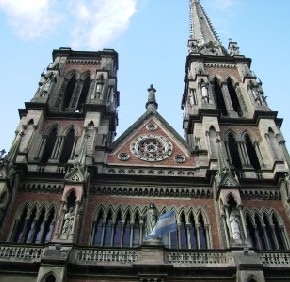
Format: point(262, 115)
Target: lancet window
point(123, 227)
point(219, 97)
point(233, 151)
point(266, 230)
point(34, 224)
point(235, 100)
point(68, 146)
point(49, 144)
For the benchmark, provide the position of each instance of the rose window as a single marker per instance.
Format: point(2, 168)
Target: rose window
point(151, 147)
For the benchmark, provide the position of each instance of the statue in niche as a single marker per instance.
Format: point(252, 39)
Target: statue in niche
point(151, 218)
point(235, 225)
point(68, 223)
point(204, 92)
point(100, 85)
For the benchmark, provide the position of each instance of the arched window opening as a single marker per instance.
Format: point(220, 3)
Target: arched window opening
point(202, 233)
point(68, 146)
point(117, 239)
point(30, 122)
point(270, 239)
point(235, 101)
point(126, 232)
point(136, 231)
point(20, 226)
point(71, 200)
point(49, 145)
point(30, 225)
point(98, 232)
point(234, 152)
point(183, 233)
point(68, 94)
point(260, 234)
point(50, 278)
point(193, 233)
point(219, 98)
point(108, 230)
point(254, 160)
point(278, 234)
point(48, 227)
point(252, 280)
point(39, 228)
point(252, 234)
point(213, 142)
point(84, 93)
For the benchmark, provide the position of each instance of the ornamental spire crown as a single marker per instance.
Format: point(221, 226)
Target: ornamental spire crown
point(203, 38)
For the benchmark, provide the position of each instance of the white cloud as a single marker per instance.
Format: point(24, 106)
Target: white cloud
point(98, 21)
point(91, 23)
point(31, 19)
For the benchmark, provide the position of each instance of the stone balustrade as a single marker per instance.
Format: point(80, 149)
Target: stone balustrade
point(208, 258)
point(21, 253)
point(275, 259)
point(99, 256)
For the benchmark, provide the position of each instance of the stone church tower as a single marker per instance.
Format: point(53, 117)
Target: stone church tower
point(76, 205)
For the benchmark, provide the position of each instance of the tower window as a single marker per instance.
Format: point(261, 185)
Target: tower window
point(219, 98)
point(235, 100)
point(234, 152)
point(49, 145)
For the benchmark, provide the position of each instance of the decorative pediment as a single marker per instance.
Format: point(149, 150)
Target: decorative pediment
point(226, 179)
point(151, 140)
point(76, 175)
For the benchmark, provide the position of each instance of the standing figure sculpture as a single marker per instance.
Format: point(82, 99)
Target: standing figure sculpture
point(235, 225)
point(151, 218)
point(67, 228)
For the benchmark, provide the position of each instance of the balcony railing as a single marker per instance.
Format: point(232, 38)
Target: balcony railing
point(275, 259)
point(207, 258)
point(100, 256)
point(20, 253)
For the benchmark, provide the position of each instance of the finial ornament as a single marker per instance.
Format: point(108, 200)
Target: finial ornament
point(152, 91)
point(151, 104)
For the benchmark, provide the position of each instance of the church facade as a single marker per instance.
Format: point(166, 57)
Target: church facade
point(76, 204)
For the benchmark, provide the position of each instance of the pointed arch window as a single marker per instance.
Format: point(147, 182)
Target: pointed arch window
point(202, 233)
point(126, 236)
point(108, 230)
point(267, 233)
point(183, 233)
point(235, 100)
point(68, 146)
point(49, 145)
point(254, 160)
point(84, 93)
point(219, 98)
point(117, 240)
point(136, 231)
point(34, 226)
point(234, 152)
point(193, 233)
point(68, 94)
point(98, 232)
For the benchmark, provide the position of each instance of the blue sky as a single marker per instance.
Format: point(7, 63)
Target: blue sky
point(151, 38)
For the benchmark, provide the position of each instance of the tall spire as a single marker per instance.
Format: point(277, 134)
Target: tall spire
point(202, 33)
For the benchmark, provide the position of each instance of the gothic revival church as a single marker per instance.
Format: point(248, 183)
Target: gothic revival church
point(76, 205)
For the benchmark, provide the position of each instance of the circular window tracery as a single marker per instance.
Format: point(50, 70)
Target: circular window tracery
point(151, 147)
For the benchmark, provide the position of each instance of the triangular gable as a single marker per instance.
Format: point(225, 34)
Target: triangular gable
point(151, 141)
point(76, 175)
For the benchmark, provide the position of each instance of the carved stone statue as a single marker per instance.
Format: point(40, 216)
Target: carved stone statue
point(235, 225)
point(151, 218)
point(68, 222)
point(100, 84)
point(204, 92)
